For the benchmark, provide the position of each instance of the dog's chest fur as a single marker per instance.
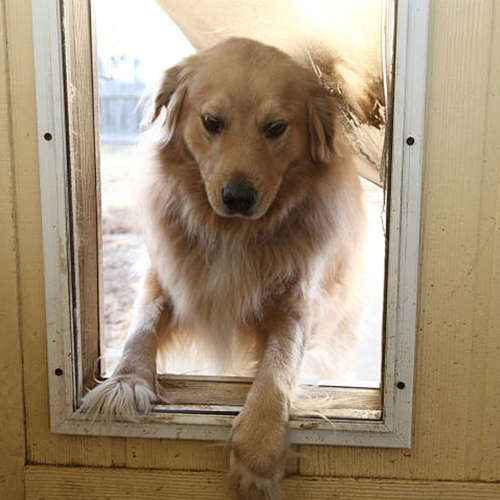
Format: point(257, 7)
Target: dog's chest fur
point(223, 286)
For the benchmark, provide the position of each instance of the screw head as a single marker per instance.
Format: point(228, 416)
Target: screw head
point(58, 372)
point(47, 136)
point(410, 141)
point(401, 385)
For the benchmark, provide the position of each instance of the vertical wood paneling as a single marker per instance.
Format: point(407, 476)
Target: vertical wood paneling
point(482, 356)
point(453, 193)
point(490, 442)
point(30, 263)
point(490, 438)
point(12, 437)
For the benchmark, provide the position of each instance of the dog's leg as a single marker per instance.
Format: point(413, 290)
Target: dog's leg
point(259, 443)
point(131, 390)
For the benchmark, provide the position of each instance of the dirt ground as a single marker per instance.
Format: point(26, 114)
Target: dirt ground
point(120, 251)
point(121, 246)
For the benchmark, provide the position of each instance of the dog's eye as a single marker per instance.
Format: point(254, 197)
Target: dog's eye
point(275, 129)
point(213, 124)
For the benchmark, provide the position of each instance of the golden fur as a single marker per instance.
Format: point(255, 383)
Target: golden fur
point(272, 282)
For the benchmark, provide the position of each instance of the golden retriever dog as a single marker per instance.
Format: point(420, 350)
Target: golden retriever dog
point(254, 227)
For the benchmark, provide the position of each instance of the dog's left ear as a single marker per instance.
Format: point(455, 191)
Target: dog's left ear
point(170, 96)
point(321, 111)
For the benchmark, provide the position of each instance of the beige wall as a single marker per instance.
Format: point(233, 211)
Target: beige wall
point(456, 423)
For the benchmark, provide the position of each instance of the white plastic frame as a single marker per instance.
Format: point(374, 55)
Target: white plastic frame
point(394, 429)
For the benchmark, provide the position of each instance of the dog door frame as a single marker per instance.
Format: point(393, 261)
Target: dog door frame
point(389, 423)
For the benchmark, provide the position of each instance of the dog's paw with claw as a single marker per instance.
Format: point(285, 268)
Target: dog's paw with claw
point(259, 449)
point(124, 397)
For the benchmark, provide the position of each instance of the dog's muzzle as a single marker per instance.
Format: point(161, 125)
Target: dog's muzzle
point(239, 197)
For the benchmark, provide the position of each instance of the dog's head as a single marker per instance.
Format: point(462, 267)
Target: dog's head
point(248, 115)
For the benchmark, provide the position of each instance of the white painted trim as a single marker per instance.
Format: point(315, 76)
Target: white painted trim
point(404, 216)
point(55, 207)
point(395, 428)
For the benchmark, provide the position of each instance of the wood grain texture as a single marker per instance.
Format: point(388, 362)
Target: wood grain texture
point(227, 391)
point(12, 436)
point(186, 455)
point(454, 289)
point(482, 445)
point(176, 455)
point(116, 484)
point(490, 290)
point(84, 182)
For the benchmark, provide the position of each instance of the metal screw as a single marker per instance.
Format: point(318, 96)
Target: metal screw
point(59, 372)
point(410, 141)
point(401, 385)
point(47, 136)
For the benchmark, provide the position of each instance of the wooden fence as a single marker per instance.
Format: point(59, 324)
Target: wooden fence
point(120, 112)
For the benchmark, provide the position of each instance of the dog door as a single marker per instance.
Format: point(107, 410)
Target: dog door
point(370, 55)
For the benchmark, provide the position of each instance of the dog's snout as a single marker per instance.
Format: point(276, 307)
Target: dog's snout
point(239, 197)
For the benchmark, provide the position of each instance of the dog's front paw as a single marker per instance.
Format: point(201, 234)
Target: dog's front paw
point(259, 449)
point(125, 397)
point(250, 486)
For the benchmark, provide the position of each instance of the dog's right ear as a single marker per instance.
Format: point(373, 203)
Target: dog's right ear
point(170, 96)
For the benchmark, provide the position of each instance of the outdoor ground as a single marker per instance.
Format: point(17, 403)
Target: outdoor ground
point(121, 243)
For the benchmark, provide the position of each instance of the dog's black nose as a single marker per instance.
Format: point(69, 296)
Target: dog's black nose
point(239, 197)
